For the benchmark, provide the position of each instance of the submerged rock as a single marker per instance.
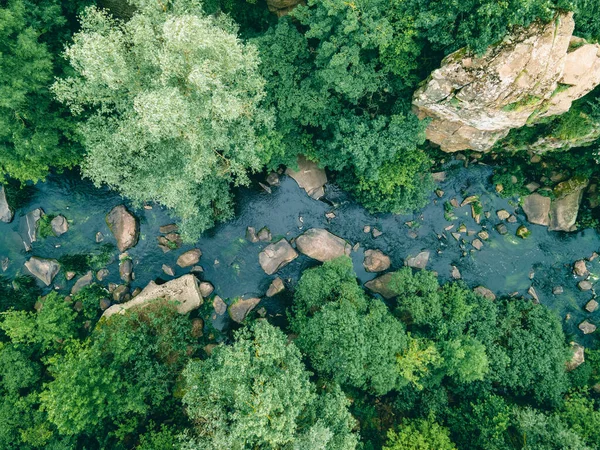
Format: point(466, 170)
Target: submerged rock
point(42, 268)
point(586, 327)
point(6, 212)
point(418, 262)
point(309, 177)
point(184, 292)
point(124, 226)
point(537, 209)
point(321, 245)
point(28, 227)
point(241, 308)
point(533, 73)
point(276, 255)
point(376, 261)
point(276, 287)
point(381, 286)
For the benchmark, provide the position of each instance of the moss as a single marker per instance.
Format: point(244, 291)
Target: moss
point(528, 100)
point(44, 226)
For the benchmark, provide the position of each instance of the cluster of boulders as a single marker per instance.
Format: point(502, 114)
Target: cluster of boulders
point(584, 283)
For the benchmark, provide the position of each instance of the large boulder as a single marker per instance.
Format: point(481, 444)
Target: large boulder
point(578, 357)
point(276, 255)
point(239, 309)
point(537, 209)
point(321, 245)
point(532, 74)
point(565, 205)
point(189, 258)
point(42, 268)
point(183, 291)
point(380, 285)
point(6, 212)
point(82, 282)
point(309, 177)
point(124, 226)
point(28, 227)
point(376, 261)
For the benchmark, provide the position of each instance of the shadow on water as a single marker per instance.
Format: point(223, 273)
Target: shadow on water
point(504, 264)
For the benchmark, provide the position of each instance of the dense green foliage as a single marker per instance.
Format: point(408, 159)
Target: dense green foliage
point(36, 133)
point(173, 96)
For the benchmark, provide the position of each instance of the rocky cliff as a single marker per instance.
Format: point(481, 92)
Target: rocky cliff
point(537, 72)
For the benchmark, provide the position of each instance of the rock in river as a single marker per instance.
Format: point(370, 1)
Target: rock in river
point(44, 269)
point(418, 262)
point(59, 225)
point(6, 212)
point(276, 287)
point(380, 285)
point(28, 227)
point(537, 209)
point(124, 226)
point(183, 291)
point(82, 282)
point(275, 256)
point(321, 245)
point(189, 258)
point(309, 177)
point(376, 261)
point(241, 307)
point(565, 205)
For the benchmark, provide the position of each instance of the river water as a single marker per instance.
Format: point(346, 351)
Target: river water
point(504, 264)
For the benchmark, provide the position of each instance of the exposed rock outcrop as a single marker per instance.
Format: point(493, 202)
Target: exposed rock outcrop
point(59, 225)
point(189, 258)
point(184, 290)
point(241, 307)
point(44, 269)
point(82, 282)
point(578, 357)
point(533, 73)
point(124, 226)
point(565, 205)
point(275, 256)
point(537, 209)
point(6, 212)
point(381, 286)
point(309, 177)
point(418, 262)
point(321, 245)
point(28, 227)
point(276, 287)
point(282, 7)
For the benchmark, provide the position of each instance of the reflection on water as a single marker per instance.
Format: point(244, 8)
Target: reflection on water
point(231, 263)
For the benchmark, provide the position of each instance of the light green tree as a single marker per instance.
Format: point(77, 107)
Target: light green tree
point(173, 101)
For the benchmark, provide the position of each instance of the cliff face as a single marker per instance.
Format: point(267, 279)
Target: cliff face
point(537, 72)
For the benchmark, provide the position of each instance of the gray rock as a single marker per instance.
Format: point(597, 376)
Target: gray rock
point(276, 255)
point(321, 245)
point(59, 225)
point(189, 258)
point(206, 289)
point(309, 177)
point(380, 285)
point(28, 227)
point(119, 293)
point(99, 237)
point(531, 291)
point(485, 292)
point(537, 209)
point(168, 270)
point(126, 270)
point(44, 269)
point(455, 273)
point(6, 212)
point(558, 290)
point(240, 309)
point(477, 244)
point(578, 357)
point(418, 262)
point(376, 261)
point(503, 214)
point(82, 282)
point(276, 287)
point(169, 228)
point(183, 292)
point(124, 226)
point(587, 327)
point(501, 228)
point(376, 233)
point(219, 305)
